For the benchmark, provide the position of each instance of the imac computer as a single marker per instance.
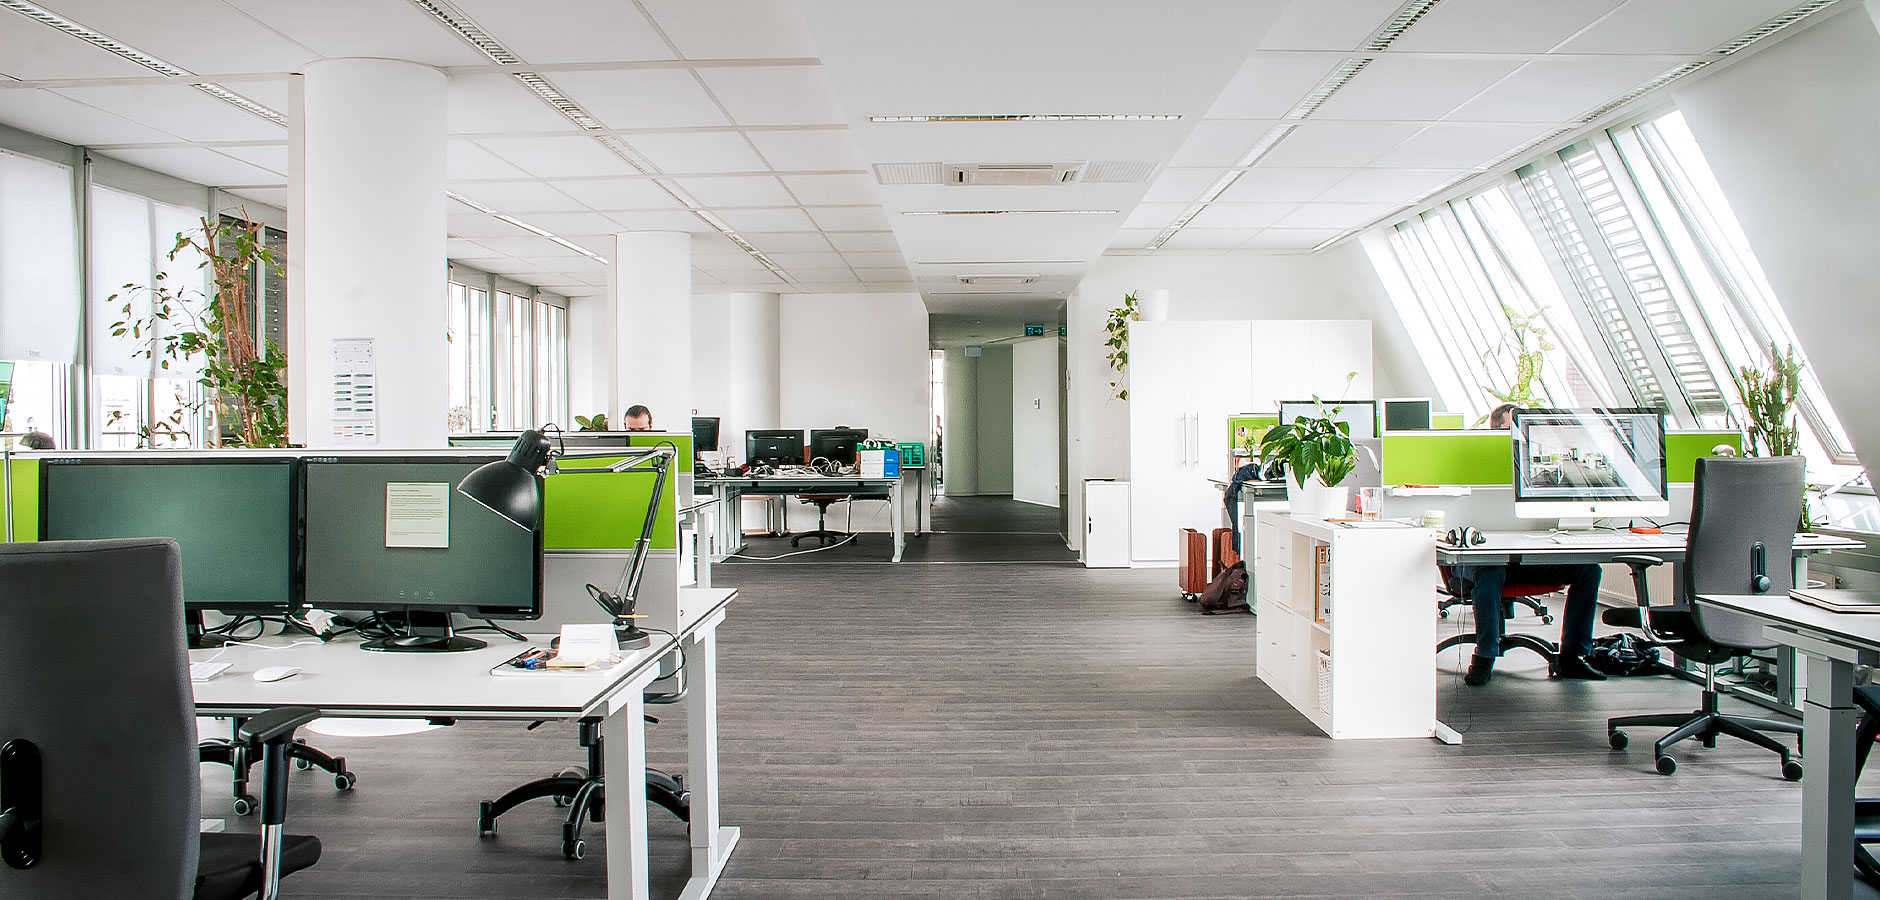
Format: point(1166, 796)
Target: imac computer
point(234, 517)
point(835, 444)
point(775, 447)
point(1406, 413)
point(392, 535)
point(704, 434)
point(1577, 465)
point(1360, 415)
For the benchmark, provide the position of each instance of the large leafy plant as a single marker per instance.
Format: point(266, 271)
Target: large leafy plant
point(1313, 444)
point(241, 375)
point(1769, 400)
point(1116, 327)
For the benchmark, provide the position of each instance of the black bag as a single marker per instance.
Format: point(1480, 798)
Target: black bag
point(1623, 654)
point(1227, 592)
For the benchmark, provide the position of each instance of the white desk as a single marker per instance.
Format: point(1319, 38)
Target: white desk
point(342, 680)
point(727, 490)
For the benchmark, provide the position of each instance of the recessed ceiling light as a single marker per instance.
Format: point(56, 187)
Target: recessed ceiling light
point(1009, 212)
point(1040, 117)
point(525, 226)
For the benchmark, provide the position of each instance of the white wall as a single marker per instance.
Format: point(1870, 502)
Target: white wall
point(734, 363)
point(959, 433)
point(854, 359)
point(1035, 366)
point(1793, 135)
point(1339, 283)
point(979, 421)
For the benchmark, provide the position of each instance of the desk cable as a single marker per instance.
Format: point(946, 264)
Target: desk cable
point(846, 540)
point(218, 653)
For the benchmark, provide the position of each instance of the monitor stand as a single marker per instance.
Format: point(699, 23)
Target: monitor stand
point(1575, 524)
point(425, 632)
point(194, 635)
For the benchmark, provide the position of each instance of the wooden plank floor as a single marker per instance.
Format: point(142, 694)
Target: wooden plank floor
point(1038, 730)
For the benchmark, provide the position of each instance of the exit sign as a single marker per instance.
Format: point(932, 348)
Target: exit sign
point(1034, 331)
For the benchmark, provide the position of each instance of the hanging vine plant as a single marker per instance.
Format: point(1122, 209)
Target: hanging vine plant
point(1117, 327)
point(1529, 342)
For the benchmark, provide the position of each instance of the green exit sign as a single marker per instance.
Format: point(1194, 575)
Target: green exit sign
point(1034, 331)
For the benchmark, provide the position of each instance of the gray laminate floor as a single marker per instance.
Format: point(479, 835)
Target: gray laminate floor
point(1045, 731)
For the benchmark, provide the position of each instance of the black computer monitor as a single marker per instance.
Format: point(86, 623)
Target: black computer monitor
point(391, 535)
point(704, 434)
point(835, 444)
point(1359, 415)
point(234, 515)
point(775, 447)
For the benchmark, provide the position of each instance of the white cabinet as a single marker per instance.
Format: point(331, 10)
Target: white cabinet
point(1352, 644)
point(1187, 378)
point(1106, 524)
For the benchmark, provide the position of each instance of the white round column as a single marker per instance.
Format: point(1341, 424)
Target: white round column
point(753, 366)
point(372, 257)
point(652, 285)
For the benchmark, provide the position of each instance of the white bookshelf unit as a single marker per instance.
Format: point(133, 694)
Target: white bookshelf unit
point(1357, 655)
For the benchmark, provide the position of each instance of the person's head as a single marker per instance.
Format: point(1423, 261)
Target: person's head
point(1502, 417)
point(639, 418)
point(37, 440)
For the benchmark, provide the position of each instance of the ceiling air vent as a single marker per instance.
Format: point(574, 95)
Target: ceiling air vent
point(997, 279)
point(1010, 174)
point(1117, 172)
point(907, 173)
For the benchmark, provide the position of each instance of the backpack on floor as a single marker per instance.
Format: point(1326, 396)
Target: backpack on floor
point(1227, 592)
point(1623, 654)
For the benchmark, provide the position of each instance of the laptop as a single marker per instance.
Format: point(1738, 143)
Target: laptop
point(1840, 601)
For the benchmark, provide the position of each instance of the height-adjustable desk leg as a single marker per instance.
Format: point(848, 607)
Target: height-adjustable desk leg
point(623, 741)
point(712, 843)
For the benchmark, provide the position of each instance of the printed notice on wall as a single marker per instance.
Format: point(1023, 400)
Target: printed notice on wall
point(355, 392)
point(417, 514)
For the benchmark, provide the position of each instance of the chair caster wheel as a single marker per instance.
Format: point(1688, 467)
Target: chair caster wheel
point(1617, 740)
point(574, 849)
point(302, 764)
point(344, 781)
point(1547, 620)
point(560, 801)
point(1666, 765)
point(1442, 614)
point(486, 822)
point(1791, 771)
point(244, 805)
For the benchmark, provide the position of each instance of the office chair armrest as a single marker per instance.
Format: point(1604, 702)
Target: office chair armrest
point(275, 725)
point(1640, 564)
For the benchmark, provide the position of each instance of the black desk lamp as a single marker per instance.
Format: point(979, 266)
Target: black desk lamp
point(512, 488)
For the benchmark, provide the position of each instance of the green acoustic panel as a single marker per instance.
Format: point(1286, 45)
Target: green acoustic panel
point(1682, 448)
point(1448, 457)
point(1246, 431)
point(604, 511)
point(25, 500)
point(655, 438)
point(1448, 420)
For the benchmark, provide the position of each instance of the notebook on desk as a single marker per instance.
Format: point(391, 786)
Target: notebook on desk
point(1840, 601)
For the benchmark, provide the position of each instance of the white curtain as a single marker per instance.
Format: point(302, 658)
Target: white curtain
point(39, 300)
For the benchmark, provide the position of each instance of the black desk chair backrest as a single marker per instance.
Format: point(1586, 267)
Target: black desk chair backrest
point(1743, 517)
point(96, 676)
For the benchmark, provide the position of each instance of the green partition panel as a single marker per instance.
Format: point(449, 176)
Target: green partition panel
point(1242, 429)
point(1448, 420)
point(1682, 448)
point(655, 438)
point(503, 440)
point(604, 511)
point(1448, 457)
point(25, 500)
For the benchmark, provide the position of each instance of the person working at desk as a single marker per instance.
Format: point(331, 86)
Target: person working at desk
point(639, 418)
point(1484, 584)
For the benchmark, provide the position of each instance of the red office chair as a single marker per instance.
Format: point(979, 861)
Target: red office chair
point(1451, 592)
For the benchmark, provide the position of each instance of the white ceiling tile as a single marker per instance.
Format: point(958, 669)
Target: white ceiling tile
point(787, 242)
point(569, 265)
point(1181, 185)
point(761, 220)
point(528, 245)
point(709, 244)
point(737, 190)
point(733, 29)
point(476, 225)
point(832, 190)
point(677, 220)
point(1290, 238)
point(1448, 146)
point(828, 260)
point(465, 161)
point(1413, 87)
point(271, 158)
point(850, 218)
point(502, 265)
point(1154, 215)
point(64, 119)
point(1350, 144)
point(460, 248)
point(823, 276)
point(890, 273)
point(198, 164)
point(872, 260)
point(1208, 238)
point(1334, 215)
point(651, 98)
point(692, 154)
point(202, 36)
point(809, 151)
point(517, 197)
point(1274, 184)
point(573, 156)
point(1674, 26)
point(574, 223)
point(179, 109)
point(611, 194)
point(1393, 186)
point(1269, 85)
point(796, 95)
point(577, 31)
point(864, 240)
point(30, 51)
point(1220, 142)
point(1559, 90)
point(476, 104)
point(1502, 26)
point(364, 28)
point(1327, 26)
point(1133, 238)
point(1241, 215)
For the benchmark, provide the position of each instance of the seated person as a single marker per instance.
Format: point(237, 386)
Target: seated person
point(639, 418)
point(37, 440)
point(1576, 624)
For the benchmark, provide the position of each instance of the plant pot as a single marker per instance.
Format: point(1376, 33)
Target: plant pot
point(1152, 306)
point(1316, 501)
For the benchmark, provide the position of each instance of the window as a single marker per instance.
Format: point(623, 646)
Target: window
point(551, 363)
point(508, 355)
point(39, 293)
point(131, 237)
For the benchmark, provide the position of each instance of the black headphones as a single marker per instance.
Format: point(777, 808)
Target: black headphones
point(1464, 536)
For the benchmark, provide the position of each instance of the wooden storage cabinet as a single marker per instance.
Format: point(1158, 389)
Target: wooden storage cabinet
point(1379, 635)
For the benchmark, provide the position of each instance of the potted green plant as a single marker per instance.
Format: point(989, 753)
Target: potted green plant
point(1116, 327)
point(1319, 453)
point(241, 372)
point(1768, 399)
point(598, 422)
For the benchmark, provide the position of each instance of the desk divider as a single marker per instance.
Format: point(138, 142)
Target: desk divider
point(1486, 457)
point(25, 500)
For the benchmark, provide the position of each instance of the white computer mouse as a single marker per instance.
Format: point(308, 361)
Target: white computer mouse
point(276, 673)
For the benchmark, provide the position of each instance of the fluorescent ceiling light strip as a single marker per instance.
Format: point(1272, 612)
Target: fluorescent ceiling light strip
point(1771, 27)
point(1644, 89)
point(543, 232)
point(1333, 239)
point(240, 102)
point(1009, 212)
point(1222, 184)
point(1390, 31)
point(1340, 77)
point(1180, 222)
point(1038, 117)
point(1267, 142)
point(469, 31)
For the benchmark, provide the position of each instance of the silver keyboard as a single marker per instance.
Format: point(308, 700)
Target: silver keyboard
point(203, 671)
point(1605, 539)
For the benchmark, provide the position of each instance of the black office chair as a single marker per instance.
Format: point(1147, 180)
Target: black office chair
point(822, 502)
point(237, 754)
point(98, 775)
point(1866, 809)
point(1743, 515)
